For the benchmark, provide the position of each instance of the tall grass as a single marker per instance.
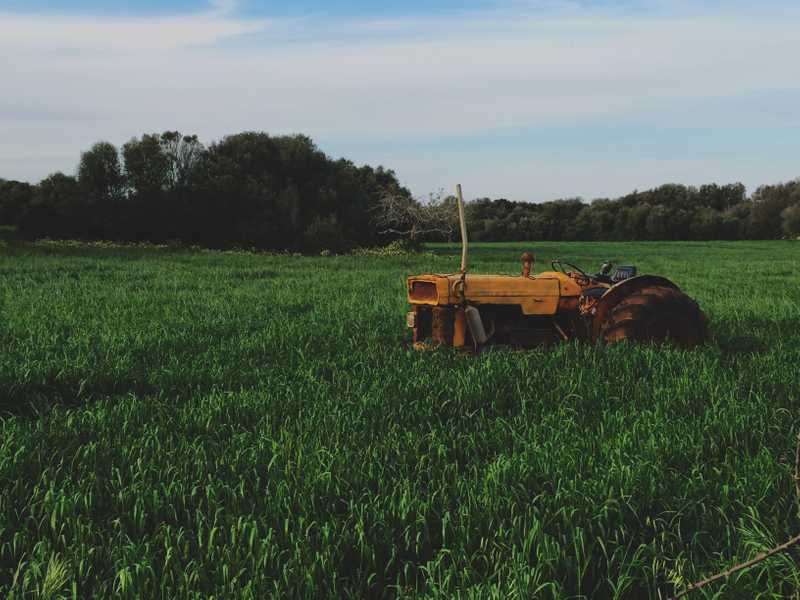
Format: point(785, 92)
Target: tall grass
point(188, 424)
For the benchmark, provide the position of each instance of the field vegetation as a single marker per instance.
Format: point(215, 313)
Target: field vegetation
point(193, 424)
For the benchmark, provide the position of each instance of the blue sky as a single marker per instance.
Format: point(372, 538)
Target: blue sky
point(271, 8)
point(525, 99)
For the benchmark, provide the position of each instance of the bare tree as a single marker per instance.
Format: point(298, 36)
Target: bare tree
point(412, 219)
point(183, 153)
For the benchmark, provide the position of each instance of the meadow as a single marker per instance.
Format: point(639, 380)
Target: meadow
point(182, 423)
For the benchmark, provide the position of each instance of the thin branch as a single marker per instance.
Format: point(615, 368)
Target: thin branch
point(761, 557)
point(417, 231)
point(406, 216)
point(745, 565)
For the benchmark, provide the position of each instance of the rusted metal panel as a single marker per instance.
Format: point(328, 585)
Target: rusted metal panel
point(442, 323)
point(537, 296)
point(567, 304)
point(431, 290)
point(459, 329)
point(422, 323)
point(423, 291)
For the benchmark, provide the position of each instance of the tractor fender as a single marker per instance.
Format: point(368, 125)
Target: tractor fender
point(620, 291)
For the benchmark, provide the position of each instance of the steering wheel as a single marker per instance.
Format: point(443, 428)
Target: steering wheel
point(557, 266)
point(578, 270)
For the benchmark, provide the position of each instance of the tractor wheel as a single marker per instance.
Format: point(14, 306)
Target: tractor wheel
point(657, 315)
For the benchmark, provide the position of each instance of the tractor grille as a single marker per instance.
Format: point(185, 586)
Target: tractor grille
point(423, 291)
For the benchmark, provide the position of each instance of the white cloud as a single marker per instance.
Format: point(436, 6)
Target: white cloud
point(215, 73)
point(24, 35)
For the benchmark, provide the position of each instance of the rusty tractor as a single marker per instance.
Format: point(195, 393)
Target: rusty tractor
point(563, 303)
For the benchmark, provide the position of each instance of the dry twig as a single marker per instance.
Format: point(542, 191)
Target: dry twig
point(761, 557)
point(745, 565)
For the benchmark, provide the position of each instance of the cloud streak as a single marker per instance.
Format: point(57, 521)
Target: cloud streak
point(384, 80)
point(31, 34)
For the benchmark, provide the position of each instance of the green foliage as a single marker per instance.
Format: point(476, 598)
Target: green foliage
point(668, 212)
point(769, 202)
point(15, 197)
point(55, 578)
point(791, 220)
point(401, 247)
point(255, 190)
point(249, 190)
point(100, 174)
point(324, 234)
point(146, 165)
point(58, 209)
point(188, 424)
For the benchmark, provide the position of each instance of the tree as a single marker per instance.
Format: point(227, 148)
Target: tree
point(100, 174)
point(324, 234)
point(721, 197)
point(57, 209)
point(791, 220)
point(146, 165)
point(769, 202)
point(635, 224)
point(249, 195)
point(658, 222)
point(407, 217)
point(184, 154)
point(15, 198)
point(268, 191)
point(598, 221)
point(707, 225)
point(102, 186)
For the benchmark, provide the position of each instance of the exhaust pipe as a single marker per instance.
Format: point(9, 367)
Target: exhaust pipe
point(471, 314)
point(463, 222)
point(475, 324)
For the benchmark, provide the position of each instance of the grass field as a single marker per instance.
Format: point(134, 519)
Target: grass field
point(189, 424)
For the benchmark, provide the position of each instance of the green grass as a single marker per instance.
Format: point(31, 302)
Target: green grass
point(188, 424)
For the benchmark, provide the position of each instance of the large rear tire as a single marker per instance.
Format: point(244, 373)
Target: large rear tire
point(658, 315)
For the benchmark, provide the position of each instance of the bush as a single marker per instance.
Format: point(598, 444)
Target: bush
point(402, 247)
point(324, 234)
point(791, 220)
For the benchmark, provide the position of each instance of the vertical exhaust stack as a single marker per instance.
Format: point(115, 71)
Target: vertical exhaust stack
point(472, 316)
point(463, 222)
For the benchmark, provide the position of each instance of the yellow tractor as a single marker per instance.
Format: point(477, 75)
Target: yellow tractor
point(564, 303)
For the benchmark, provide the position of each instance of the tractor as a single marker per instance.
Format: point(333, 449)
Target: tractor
point(616, 303)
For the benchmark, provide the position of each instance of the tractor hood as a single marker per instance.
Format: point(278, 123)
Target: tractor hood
point(534, 295)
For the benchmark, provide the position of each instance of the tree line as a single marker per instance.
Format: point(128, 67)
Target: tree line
point(281, 192)
point(668, 212)
point(248, 190)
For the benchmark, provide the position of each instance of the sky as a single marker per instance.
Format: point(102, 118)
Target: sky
point(522, 99)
